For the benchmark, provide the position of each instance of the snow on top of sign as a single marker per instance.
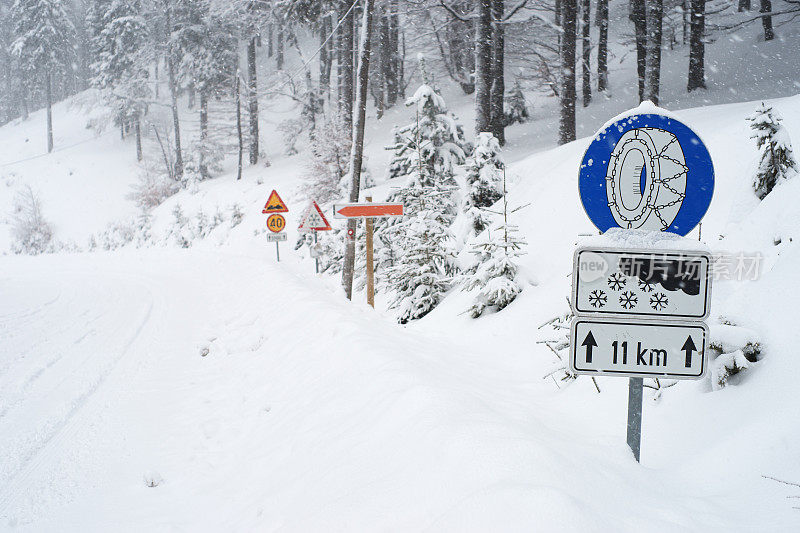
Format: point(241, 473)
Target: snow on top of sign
point(645, 240)
point(645, 108)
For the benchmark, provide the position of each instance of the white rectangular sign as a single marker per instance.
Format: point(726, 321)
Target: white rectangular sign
point(659, 283)
point(655, 349)
point(276, 237)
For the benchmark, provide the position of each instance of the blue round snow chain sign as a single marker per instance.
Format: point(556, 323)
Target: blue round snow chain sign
point(648, 172)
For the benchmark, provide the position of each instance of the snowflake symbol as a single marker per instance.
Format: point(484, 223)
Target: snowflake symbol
point(616, 281)
point(628, 300)
point(646, 286)
point(659, 301)
point(598, 298)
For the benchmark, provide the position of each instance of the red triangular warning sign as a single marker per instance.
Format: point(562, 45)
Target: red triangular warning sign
point(314, 219)
point(275, 204)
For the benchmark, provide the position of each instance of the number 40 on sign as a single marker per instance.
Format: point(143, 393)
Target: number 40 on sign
point(276, 223)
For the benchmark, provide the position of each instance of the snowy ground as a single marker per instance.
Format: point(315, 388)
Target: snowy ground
point(307, 413)
point(256, 398)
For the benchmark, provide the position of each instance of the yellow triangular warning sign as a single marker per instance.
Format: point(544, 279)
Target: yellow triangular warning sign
point(275, 204)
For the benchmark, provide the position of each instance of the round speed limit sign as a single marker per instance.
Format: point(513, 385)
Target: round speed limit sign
point(276, 223)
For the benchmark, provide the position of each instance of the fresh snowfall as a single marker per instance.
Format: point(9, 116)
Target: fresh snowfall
point(179, 351)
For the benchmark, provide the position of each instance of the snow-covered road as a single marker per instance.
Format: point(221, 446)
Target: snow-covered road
point(258, 399)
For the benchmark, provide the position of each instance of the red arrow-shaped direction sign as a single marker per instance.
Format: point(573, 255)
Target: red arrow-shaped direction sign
point(367, 210)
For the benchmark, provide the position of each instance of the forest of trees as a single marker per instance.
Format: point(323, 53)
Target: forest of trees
point(212, 50)
point(187, 80)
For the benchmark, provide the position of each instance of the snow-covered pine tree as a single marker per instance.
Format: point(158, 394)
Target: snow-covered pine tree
point(435, 139)
point(12, 103)
point(330, 153)
point(484, 181)
point(422, 273)
point(425, 151)
point(31, 231)
point(777, 161)
point(208, 63)
point(390, 246)
point(43, 46)
point(496, 272)
point(516, 109)
point(118, 37)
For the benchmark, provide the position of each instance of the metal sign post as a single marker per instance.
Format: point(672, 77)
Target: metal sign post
point(316, 258)
point(635, 396)
point(639, 313)
point(276, 238)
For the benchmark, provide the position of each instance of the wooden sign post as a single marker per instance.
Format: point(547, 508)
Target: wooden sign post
point(368, 211)
point(370, 267)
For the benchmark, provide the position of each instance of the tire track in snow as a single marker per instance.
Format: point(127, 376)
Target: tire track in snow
point(31, 376)
point(47, 448)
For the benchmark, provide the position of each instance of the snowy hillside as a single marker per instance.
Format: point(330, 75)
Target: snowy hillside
point(160, 370)
point(255, 397)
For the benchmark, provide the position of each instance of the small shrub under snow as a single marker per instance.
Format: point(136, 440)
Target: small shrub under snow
point(31, 231)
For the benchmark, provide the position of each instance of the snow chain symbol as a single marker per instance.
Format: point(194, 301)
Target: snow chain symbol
point(646, 175)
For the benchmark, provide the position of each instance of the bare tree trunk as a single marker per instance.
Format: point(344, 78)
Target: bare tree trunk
point(498, 72)
point(252, 99)
point(483, 67)
point(558, 7)
point(204, 134)
point(394, 80)
point(167, 164)
point(459, 56)
point(173, 90)
point(602, 46)
point(203, 115)
point(686, 19)
point(324, 58)
point(569, 23)
point(191, 94)
point(156, 76)
point(238, 99)
point(49, 97)
point(137, 127)
point(279, 49)
point(344, 69)
point(766, 7)
point(383, 56)
point(697, 27)
point(586, 49)
point(357, 151)
point(639, 18)
point(270, 39)
point(23, 97)
point(655, 17)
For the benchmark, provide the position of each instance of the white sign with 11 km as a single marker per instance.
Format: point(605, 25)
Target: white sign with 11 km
point(617, 294)
point(674, 350)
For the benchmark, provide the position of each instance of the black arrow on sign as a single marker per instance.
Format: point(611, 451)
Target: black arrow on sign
point(589, 342)
point(689, 347)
